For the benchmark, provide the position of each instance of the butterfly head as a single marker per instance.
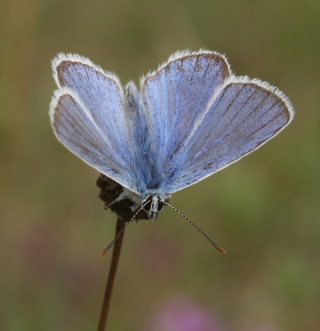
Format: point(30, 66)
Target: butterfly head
point(153, 204)
point(129, 205)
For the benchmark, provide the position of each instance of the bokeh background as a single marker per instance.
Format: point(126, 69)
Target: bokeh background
point(265, 209)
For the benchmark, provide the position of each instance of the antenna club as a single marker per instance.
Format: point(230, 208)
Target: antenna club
point(105, 252)
point(214, 244)
point(220, 249)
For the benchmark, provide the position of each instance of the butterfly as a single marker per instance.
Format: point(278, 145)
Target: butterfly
point(189, 119)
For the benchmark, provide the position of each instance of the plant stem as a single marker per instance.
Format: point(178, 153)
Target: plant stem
point(111, 276)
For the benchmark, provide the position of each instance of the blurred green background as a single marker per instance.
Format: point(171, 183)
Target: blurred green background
point(264, 210)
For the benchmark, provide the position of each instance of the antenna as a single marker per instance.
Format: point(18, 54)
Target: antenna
point(213, 243)
point(106, 250)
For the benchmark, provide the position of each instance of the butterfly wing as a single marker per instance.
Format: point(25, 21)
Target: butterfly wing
point(242, 116)
point(89, 116)
point(202, 118)
point(174, 98)
point(193, 118)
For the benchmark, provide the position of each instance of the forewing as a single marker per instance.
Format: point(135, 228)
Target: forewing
point(101, 97)
point(174, 97)
point(76, 128)
point(242, 116)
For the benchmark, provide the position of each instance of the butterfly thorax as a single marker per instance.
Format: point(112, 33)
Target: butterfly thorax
point(151, 203)
point(127, 203)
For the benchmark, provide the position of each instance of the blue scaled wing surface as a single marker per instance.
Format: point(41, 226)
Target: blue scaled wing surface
point(192, 118)
point(174, 98)
point(202, 118)
point(89, 116)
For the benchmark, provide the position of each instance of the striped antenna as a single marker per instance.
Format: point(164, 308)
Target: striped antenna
point(106, 250)
point(213, 243)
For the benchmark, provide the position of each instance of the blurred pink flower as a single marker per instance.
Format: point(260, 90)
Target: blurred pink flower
point(183, 314)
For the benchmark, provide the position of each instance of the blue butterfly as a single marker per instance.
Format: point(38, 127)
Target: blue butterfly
point(189, 119)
